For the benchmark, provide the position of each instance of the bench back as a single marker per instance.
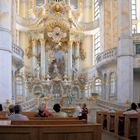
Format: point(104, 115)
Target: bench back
point(51, 132)
point(48, 122)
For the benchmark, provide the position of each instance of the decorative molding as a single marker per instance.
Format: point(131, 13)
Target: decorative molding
point(3, 49)
point(5, 30)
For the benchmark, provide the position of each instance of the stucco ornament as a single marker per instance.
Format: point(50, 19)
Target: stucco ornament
point(57, 34)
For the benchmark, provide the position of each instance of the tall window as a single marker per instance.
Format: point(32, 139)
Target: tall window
point(137, 48)
point(97, 43)
point(96, 9)
point(112, 85)
point(134, 16)
point(98, 85)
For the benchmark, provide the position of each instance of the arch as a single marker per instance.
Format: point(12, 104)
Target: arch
point(56, 89)
point(98, 85)
point(19, 85)
point(37, 89)
point(75, 90)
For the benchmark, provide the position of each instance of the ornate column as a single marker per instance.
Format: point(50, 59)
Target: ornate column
point(46, 61)
point(42, 41)
point(69, 61)
point(125, 53)
point(34, 55)
point(77, 56)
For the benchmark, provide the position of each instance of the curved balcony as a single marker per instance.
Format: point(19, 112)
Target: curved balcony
point(17, 56)
point(106, 57)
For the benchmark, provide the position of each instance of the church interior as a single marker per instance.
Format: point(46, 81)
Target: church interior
point(71, 52)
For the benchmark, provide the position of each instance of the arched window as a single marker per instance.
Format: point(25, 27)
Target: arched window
point(112, 85)
point(98, 86)
point(134, 16)
point(19, 86)
point(39, 2)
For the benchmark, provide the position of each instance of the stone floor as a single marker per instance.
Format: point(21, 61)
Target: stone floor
point(106, 136)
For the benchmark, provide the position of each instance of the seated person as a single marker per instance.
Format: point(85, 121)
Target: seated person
point(11, 110)
point(132, 110)
point(18, 116)
point(41, 112)
point(84, 112)
point(78, 111)
point(45, 110)
point(58, 113)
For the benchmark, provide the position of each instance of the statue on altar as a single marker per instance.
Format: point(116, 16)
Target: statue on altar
point(37, 71)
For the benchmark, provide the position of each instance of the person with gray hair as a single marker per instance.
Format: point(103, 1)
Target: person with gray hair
point(18, 116)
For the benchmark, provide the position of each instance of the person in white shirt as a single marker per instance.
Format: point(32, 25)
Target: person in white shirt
point(58, 113)
point(132, 110)
point(78, 111)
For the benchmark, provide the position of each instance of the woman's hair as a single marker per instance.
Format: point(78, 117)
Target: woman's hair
point(17, 109)
point(11, 108)
point(133, 106)
point(1, 108)
point(56, 108)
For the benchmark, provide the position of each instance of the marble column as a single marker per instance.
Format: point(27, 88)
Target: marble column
point(66, 63)
point(125, 53)
point(69, 60)
point(5, 51)
point(42, 41)
point(34, 56)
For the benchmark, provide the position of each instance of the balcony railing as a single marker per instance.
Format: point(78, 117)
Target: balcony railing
point(28, 105)
point(107, 105)
point(17, 50)
point(106, 57)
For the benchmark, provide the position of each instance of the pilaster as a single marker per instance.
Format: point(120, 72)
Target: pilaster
point(42, 41)
point(34, 55)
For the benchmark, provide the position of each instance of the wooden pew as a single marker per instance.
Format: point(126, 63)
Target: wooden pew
point(29, 114)
point(51, 132)
point(2, 115)
point(102, 119)
point(99, 117)
point(48, 122)
point(52, 118)
point(111, 121)
point(120, 125)
point(132, 126)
